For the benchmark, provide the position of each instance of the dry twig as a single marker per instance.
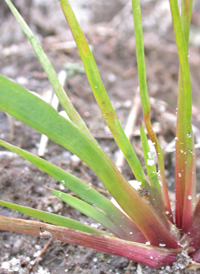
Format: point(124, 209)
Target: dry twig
point(130, 126)
point(55, 103)
point(41, 253)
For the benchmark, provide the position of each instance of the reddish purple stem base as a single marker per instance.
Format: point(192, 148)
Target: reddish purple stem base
point(196, 256)
point(141, 253)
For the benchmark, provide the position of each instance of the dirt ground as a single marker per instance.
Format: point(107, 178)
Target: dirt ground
point(108, 26)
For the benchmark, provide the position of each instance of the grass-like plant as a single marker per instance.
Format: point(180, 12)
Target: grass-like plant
point(144, 229)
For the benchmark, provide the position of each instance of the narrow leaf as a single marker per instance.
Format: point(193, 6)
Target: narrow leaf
point(36, 113)
point(52, 218)
point(186, 12)
point(181, 150)
point(89, 211)
point(190, 183)
point(141, 253)
point(51, 74)
point(145, 99)
point(182, 46)
point(155, 196)
point(151, 169)
point(180, 156)
point(101, 94)
point(123, 224)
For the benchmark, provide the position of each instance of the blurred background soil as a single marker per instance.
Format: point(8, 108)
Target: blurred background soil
point(108, 26)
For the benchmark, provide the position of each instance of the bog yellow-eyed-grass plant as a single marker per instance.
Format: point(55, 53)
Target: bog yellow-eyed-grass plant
point(145, 230)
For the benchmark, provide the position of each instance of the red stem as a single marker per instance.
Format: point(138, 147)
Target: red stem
point(151, 256)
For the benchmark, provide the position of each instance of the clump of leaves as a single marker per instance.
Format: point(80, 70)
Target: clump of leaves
point(144, 228)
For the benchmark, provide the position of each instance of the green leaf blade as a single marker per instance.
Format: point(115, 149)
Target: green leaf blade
point(90, 211)
point(22, 105)
point(181, 31)
point(145, 99)
point(101, 94)
point(151, 170)
point(180, 158)
point(51, 74)
point(52, 218)
point(89, 194)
